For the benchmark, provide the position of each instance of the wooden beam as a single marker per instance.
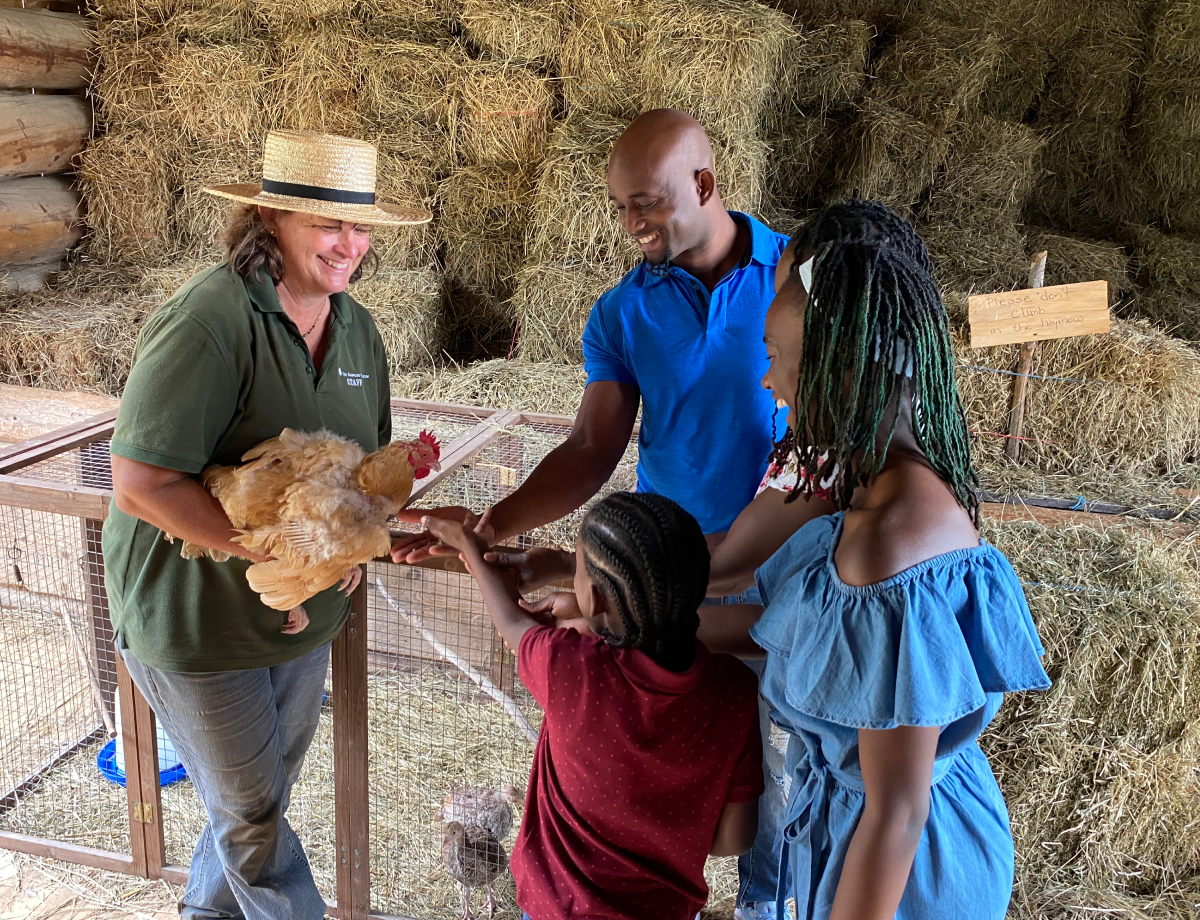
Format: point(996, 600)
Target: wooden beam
point(351, 793)
point(150, 794)
point(104, 657)
point(68, 852)
point(40, 219)
point(45, 50)
point(133, 767)
point(97, 428)
point(424, 405)
point(41, 134)
point(465, 448)
point(58, 498)
point(1015, 511)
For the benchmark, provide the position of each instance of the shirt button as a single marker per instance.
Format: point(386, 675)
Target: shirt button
point(308, 370)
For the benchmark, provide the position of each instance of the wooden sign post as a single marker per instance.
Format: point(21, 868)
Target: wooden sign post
point(1026, 317)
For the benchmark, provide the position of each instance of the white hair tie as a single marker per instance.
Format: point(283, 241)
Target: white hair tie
point(805, 271)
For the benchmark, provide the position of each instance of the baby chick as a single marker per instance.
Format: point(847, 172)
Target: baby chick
point(474, 858)
point(477, 806)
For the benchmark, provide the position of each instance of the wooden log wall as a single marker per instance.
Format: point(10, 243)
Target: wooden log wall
point(46, 57)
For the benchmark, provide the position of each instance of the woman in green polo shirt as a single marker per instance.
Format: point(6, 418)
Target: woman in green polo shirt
point(265, 340)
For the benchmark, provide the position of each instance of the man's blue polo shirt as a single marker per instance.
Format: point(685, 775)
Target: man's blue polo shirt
point(698, 360)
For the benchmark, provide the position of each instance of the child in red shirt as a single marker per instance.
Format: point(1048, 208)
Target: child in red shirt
point(649, 758)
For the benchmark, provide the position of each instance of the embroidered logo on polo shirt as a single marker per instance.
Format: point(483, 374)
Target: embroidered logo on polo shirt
point(353, 380)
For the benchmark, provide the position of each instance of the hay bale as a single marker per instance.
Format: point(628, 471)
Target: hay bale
point(405, 181)
point(1169, 272)
point(719, 60)
point(1168, 132)
point(572, 216)
point(1019, 79)
point(126, 85)
point(77, 333)
point(503, 114)
point(483, 215)
point(213, 92)
point(801, 152)
point(989, 170)
point(551, 388)
point(1075, 259)
point(409, 311)
point(179, 20)
point(934, 70)
point(969, 220)
point(408, 97)
point(317, 77)
point(601, 49)
point(553, 301)
point(197, 218)
point(889, 156)
point(517, 31)
point(825, 66)
point(1091, 185)
point(127, 185)
point(1100, 772)
point(422, 20)
point(973, 259)
point(1141, 415)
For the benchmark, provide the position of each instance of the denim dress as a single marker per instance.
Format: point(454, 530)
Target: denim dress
point(938, 644)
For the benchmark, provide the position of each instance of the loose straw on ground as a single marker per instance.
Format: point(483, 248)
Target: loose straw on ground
point(482, 682)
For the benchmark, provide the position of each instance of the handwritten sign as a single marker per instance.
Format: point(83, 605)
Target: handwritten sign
point(1039, 313)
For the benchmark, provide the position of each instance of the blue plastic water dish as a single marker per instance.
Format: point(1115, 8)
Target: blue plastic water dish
point(106, 763)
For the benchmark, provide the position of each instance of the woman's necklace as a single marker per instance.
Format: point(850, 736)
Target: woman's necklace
point(320, 312)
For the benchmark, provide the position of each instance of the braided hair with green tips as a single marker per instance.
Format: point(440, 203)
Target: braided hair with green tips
point(649, 560)
point(875, 335)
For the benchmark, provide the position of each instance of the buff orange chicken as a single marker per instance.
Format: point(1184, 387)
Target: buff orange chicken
point(318, 504)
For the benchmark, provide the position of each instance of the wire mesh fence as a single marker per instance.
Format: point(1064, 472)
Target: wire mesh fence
point(448, 724)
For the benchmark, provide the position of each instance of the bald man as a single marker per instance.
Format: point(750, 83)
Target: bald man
point(681, 334)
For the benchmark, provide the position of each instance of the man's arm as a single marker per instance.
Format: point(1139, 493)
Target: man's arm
point(176, 503)
point(566, 478)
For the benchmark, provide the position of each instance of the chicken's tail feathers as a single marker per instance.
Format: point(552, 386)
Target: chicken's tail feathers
point(277, 587)
point(282, 588)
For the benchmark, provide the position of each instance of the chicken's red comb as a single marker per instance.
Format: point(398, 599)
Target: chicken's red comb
point(428, 438)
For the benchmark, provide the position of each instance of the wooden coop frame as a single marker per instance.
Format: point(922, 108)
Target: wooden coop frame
point(350, 659)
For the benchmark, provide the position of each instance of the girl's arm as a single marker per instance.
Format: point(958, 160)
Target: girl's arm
point(726, 628)
point(499, 589)
point(736, 829)
point(897, 772)
point(763, 526)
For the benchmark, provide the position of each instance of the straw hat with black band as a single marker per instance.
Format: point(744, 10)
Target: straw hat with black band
point(321, 174)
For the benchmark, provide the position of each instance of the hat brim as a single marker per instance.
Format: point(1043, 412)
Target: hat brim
point(379, 214)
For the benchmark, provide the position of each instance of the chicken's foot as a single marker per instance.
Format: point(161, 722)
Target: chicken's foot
point(466, 893)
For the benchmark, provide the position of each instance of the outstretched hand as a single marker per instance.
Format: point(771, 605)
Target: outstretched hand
point(417, 547)
point(457, 537)
point(536, 566)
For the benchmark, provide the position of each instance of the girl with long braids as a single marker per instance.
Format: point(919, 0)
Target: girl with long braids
point(891, 630)
point(649, 757)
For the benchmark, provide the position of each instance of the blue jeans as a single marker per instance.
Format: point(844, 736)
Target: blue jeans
point(758, 870)
point(242, 735)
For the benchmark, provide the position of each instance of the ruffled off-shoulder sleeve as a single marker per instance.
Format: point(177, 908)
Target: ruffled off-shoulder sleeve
point(922, 648)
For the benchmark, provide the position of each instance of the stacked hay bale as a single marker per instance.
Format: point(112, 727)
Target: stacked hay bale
point(1168, 122)
point(1101, 771)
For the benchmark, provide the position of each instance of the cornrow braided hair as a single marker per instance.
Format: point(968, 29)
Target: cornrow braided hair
point(649, 560)
point(874, 328)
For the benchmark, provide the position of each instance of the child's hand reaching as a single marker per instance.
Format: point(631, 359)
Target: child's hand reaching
point(470, 545)
point(559, 608)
